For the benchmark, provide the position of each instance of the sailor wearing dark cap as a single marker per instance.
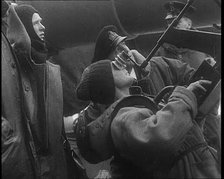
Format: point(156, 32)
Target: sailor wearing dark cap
point(110, 45)
point(192, 57)
point(106, 42)
point(173, 8)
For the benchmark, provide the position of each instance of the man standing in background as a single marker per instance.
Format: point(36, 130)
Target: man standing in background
point(192, 57)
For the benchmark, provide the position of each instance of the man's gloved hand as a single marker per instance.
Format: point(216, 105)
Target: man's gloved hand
point(199, 88)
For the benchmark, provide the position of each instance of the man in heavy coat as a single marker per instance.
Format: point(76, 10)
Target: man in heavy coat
point(162, 72)
point(146, 143)
point(32, 121)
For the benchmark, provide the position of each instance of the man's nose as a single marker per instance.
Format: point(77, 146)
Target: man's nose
point(42, 27)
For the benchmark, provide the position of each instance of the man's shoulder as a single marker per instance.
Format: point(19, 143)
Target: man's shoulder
point(165, 60)
point(160, 60)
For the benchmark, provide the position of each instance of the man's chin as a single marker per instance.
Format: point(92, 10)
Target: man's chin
point(42, 38)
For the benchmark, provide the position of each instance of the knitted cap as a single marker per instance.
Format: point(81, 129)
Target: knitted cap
point(25, 13)
point(97, 83)
point(106, 42)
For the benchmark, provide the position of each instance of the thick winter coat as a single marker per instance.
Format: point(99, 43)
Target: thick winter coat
point(42, 153)
point(192, 57)
point(32, 104)
point(164, 72)
point(168, 144)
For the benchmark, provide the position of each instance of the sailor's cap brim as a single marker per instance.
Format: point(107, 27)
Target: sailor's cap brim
point(170, 16)
point(121, 39)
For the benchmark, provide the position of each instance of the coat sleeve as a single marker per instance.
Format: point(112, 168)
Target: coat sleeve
point(181, 71)
point(139, 136)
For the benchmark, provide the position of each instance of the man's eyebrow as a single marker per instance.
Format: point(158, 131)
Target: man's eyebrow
point(37, 20)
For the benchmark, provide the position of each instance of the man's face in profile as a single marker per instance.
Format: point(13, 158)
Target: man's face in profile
point(38, 26)
point(184, 23)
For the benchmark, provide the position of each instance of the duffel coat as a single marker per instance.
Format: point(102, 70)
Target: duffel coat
point(165, 144)
point(31, 146)
point(32, 121)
